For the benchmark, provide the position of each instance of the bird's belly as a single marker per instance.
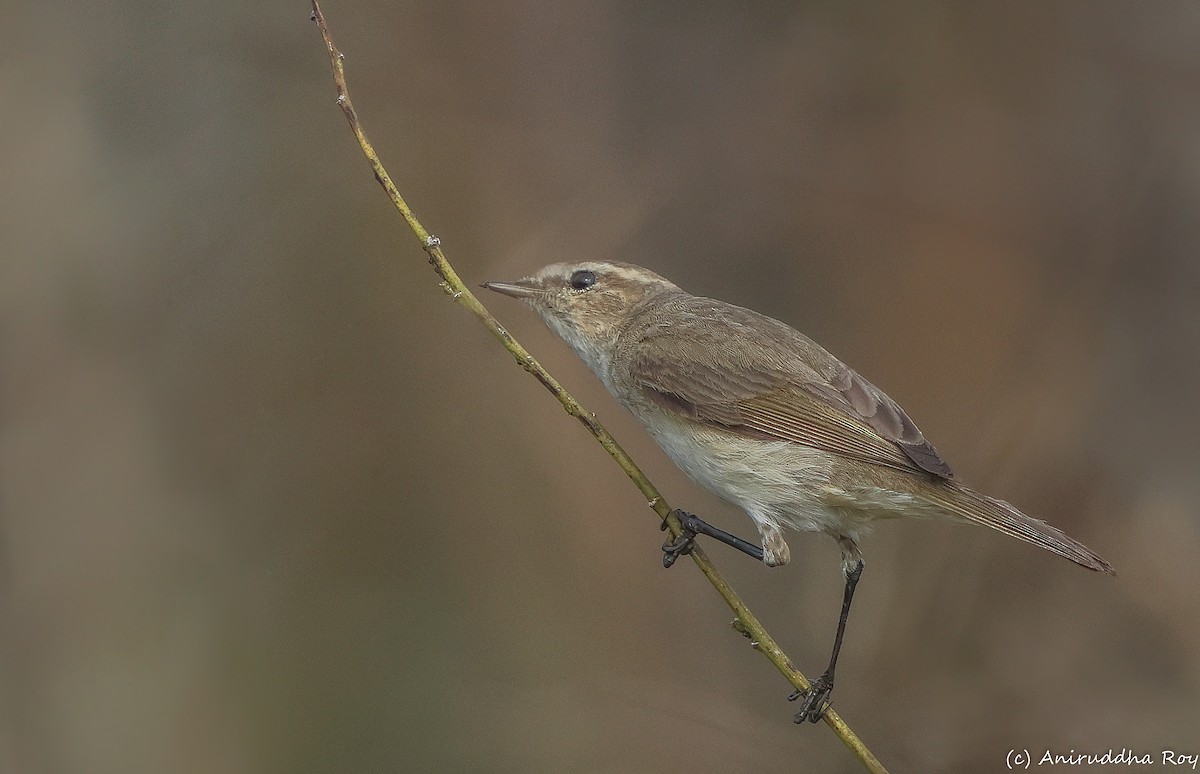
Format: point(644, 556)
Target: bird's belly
point(774, 481)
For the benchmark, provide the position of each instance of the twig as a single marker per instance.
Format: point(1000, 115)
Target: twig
point(745, 622)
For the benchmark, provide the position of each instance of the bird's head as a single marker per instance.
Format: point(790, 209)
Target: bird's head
point(587, 303)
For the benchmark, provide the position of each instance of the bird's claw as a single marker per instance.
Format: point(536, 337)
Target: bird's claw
point(680, 546)
point(816, 699)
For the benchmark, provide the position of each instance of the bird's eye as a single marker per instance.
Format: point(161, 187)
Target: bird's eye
point(583, 279)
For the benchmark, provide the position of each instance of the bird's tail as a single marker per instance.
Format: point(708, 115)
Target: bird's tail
point(1002, 517)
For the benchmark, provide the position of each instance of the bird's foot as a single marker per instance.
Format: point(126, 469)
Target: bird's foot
point(816, 699)
point(682, 545)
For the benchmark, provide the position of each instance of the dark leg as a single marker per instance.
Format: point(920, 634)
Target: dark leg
point(692, 526)
point(816, 699)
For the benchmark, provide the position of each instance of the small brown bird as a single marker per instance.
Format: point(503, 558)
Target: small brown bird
point(760, 414)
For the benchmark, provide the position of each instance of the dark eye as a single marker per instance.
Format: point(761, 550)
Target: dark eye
point(583, 279)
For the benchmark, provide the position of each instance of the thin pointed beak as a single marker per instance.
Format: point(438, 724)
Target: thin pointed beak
point(518, 289)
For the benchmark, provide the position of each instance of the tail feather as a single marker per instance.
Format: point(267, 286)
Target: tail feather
point(1002, 517)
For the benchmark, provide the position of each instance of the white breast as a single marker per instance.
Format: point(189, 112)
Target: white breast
point(777, 483)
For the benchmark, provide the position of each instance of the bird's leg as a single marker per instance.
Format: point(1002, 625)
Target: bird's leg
point(816, 698)
point(692, 526)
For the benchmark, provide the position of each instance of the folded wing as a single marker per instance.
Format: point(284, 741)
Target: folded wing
point(783, 386)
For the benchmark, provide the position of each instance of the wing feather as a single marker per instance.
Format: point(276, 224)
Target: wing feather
point(784, 387)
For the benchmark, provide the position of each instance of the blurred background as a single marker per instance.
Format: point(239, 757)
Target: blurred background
point(271, 503)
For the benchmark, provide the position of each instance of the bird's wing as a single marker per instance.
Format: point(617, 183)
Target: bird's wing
point(784, 388)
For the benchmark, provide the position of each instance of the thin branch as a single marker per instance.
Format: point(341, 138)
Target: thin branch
point(745, 622)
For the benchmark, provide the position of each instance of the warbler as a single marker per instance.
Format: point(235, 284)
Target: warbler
point(767, 419)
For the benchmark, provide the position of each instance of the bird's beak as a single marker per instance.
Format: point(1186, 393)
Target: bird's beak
point(518, 289)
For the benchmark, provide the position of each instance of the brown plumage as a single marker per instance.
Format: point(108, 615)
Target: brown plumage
point(760, 414)
point(786, 387)
point(791, 389)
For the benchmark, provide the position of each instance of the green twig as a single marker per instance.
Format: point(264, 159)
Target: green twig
point(745, 622)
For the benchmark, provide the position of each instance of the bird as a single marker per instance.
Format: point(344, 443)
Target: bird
point(758, 413)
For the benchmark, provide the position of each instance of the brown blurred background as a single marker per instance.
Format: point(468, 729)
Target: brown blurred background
point(272, 504)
